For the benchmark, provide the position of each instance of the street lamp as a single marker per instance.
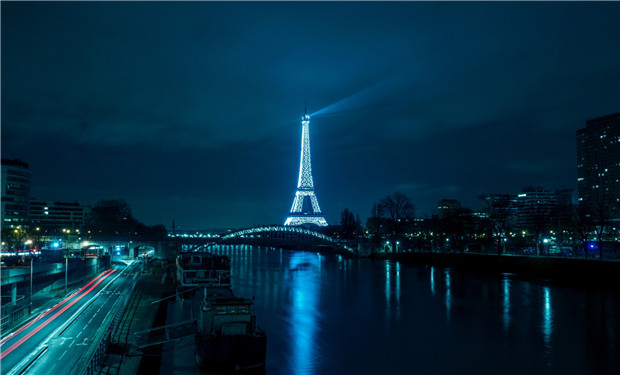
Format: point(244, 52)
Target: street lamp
point(30, 299)
point(29, 243)
point(66, 270)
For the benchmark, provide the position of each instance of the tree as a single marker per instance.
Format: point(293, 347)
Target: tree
point(350, 224)
point(375, 225)
point(455, 226)
point(113, 218)
point(14, 238)
point(499, 209)
point(582, 225)
point(398, 207)
point(538, 226)
point(601, 213)
point(398, 210)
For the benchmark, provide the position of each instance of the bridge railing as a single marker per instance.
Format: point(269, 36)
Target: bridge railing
point(285, 229)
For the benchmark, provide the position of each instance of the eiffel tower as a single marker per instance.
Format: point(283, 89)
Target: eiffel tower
point(305, 208)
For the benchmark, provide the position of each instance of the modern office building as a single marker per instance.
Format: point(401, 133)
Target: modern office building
point(15, 193)
point(598, 164)
point(56, 216)
point(502, 207)
point(536, 207)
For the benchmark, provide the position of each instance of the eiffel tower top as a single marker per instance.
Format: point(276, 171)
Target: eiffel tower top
point(306, 117)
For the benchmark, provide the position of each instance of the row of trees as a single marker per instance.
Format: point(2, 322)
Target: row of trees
point(576, 228)
point(112, 218)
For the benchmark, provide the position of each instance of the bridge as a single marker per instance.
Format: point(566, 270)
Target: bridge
point(285, 237)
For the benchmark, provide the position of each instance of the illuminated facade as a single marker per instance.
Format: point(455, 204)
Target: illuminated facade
point(598, 164)
point(58, 215)
point(535, 207)
point(15, 193)
point(305, 209)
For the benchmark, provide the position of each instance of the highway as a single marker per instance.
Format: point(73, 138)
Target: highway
point(54, 341)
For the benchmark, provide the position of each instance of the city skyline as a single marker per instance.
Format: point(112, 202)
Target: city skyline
point(189, 111)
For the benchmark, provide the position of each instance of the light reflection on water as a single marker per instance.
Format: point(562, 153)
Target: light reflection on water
point(433, 280)
point(506, 316)
point(388, 289)
point(448, 294)
point(323, 314)
point(547, 323)
point(392, 291)
point(304, 280)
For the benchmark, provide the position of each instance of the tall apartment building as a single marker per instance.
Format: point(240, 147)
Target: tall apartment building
point(598, 164)
point(15, 185)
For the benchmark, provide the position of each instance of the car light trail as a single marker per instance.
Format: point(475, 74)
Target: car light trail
point(23, 339)
point(21, 329)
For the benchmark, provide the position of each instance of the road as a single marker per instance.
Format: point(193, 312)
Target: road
point(55, 340)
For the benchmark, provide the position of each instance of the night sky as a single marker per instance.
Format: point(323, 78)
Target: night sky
point(191, 111)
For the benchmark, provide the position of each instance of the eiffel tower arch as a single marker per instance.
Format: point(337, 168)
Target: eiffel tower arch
point(305, 209)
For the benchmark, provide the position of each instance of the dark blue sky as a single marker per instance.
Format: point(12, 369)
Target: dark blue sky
point(190, 111)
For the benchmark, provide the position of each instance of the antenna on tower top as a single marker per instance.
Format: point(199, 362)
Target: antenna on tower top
point(305, 107)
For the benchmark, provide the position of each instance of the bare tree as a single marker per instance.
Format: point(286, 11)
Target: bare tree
point(398, 210)
point(398, 207)
point(582, 225)
point(500, 213)
point(350, 224)
point(602, 220)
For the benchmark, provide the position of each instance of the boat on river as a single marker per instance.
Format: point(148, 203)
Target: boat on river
point(202, 269)
point(229, 339)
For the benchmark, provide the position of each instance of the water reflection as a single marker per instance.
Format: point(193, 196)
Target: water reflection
point(547, 319)
point(392, 293)
point(448, 294)
point(387, 285)
point(398, 285)
point(304, 278)
point(506, 317)
point(322, 323)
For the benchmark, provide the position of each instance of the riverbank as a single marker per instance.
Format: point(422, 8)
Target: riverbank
point(563, 271)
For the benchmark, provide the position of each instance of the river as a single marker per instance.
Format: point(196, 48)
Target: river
point(325, 314)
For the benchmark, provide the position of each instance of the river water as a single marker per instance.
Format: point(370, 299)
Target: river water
point(325, 314)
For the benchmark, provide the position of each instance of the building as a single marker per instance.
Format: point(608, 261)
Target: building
point(15, 193)
point(536, 208)
point(56, 216)
point(598, 165)
point(448, 208)
point(501, 209)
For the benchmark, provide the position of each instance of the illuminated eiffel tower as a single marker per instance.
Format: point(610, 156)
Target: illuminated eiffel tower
point(305, 208)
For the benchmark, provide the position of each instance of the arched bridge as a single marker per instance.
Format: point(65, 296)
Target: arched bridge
point(285, 237)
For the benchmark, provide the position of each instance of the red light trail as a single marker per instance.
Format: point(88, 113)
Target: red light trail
point(21, 329)
point(102, 277)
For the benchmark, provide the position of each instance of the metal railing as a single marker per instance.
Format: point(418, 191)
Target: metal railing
point(96, 354)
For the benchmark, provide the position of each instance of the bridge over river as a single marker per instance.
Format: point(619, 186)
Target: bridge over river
point(287, 237)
